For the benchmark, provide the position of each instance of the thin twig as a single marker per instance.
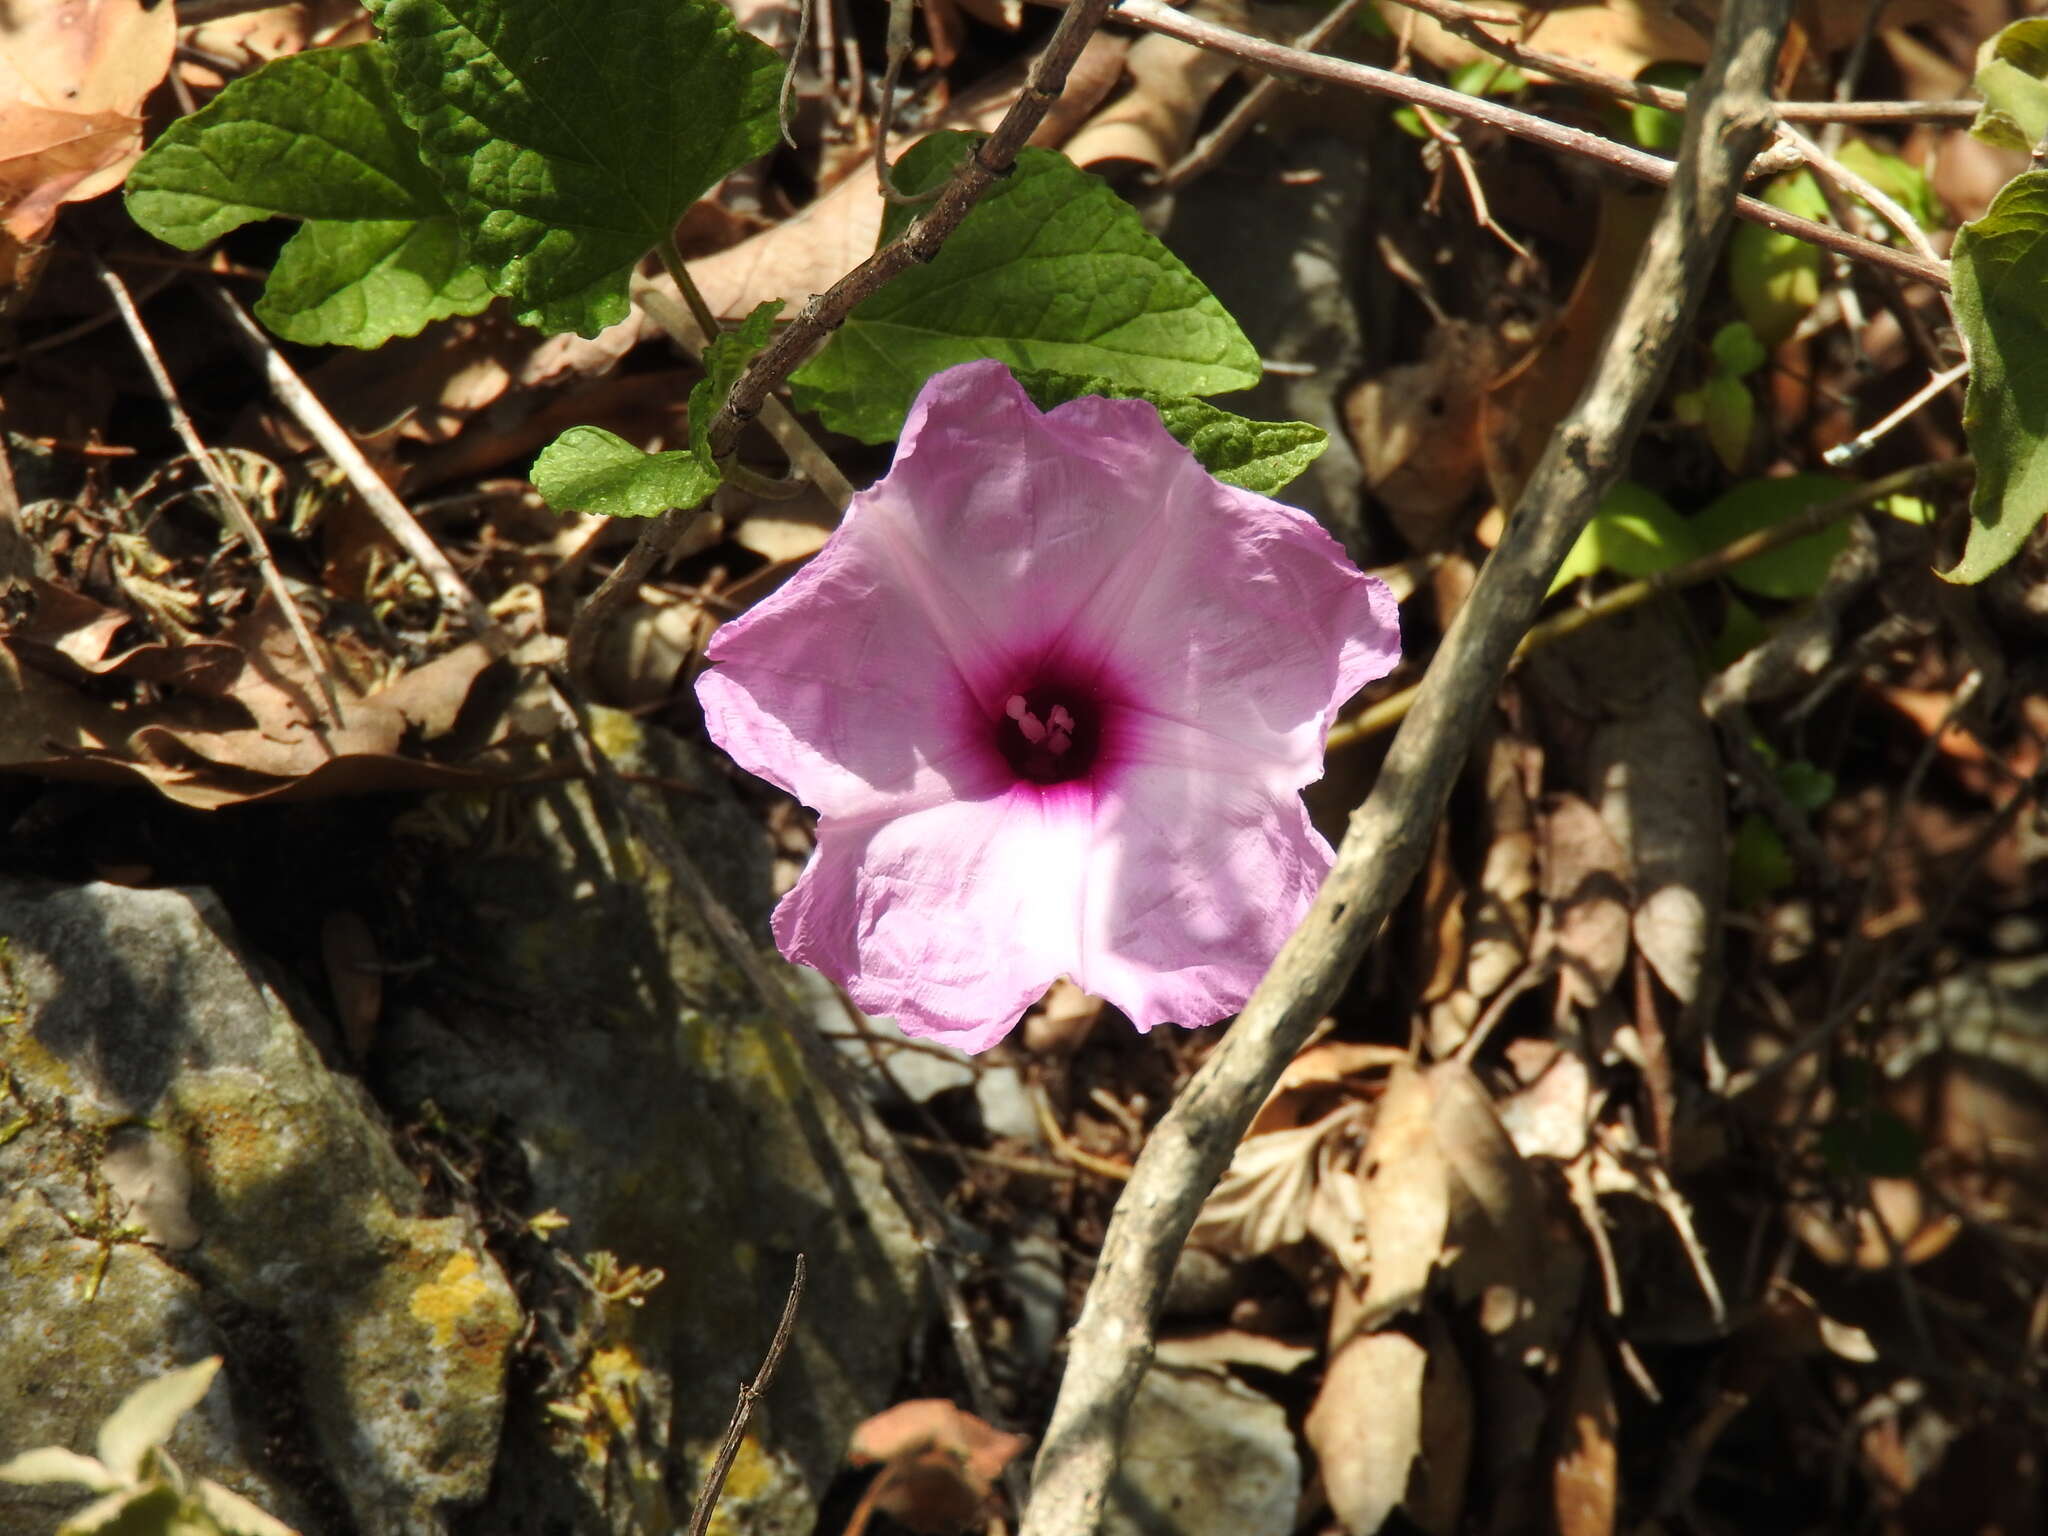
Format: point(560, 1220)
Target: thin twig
point(390, 513)
point(1389, 712)
point(1239, 120)
point(1390, 834)
point(231, 505)
point(1156, 16)
point(828, 310)
point(743, 1409)
point(1868, 438)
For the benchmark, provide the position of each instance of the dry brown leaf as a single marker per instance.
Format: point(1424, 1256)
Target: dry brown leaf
point(1657, 770)
point(1262, 1201)
point(1216, 1347)
point(1585, 920)
point(1154, 122)
point(73, 75)
point(348, 953)
point(1552, 1114)
point(1418, 427)
point(1502, 922)
point(1407, 1201)
point(1522, 407)
point(233, 720)
point(939, 1465)
point(1366, 1424)
point(1585, 1480)
point(1493, 1239)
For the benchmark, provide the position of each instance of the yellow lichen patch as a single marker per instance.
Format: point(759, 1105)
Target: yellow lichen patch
point(751, 1476)
point(445, 1302)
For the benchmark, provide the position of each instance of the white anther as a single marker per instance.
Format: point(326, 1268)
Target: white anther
point(1014, 706)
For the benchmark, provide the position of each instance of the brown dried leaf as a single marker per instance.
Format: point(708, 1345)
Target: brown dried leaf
point(73, 75)
point(1585, 922)
point(1366, 1424)
point(1262, 1201)
point(1522, 407)
point(1585, 1480)
point(939, 1464)
point(1407, 1198)
point(1154, 122)
point(1417, 429)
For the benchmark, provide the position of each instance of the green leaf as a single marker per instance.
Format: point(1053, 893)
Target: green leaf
point(361, 284)
point(236, 1515)
point(151, 1509)
point(1728, 412)
point(1791, 570)
point(1759, 863)
point(2012, 77)
point(1635, 532)
point(1737, 350)
point(1052, 272)
point(1807, 785)
point(318, 137)
point(2000, 271)
point(1259, 456)
point(570, 138)
point(147, 1416)
point(725, 359)
point(1653, 127)
point(588, 469)
point(1906, 184)
point(1776, 278)
point(1475, 77)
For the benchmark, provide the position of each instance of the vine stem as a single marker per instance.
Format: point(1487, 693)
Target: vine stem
point(1389, 836)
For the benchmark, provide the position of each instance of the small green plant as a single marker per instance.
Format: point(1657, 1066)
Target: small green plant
point(142, 1492)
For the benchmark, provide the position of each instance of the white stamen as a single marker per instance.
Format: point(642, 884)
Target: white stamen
point(1060, 720)
point(1059, 741)
point(1029, 724)
point(1014, 706)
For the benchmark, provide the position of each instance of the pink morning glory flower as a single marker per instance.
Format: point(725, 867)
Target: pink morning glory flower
point(1053, 692)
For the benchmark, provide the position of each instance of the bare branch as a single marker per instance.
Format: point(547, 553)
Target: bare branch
point(743, 1409)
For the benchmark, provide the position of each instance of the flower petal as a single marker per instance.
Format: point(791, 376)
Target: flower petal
point(836, 688)
point(1194, 883)
point(953, 919)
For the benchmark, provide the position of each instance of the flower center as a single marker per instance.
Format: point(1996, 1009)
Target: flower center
point(1048, 734)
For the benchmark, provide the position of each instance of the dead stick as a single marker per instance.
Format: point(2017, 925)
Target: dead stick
point(1389, 836)
point(391, 514)
point(743, 1409)
point(231, 506)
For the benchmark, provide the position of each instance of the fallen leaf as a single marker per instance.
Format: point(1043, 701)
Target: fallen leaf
point(1366, 1424)
point(1521, 408)
point(1585, 1479)
point(1584, 924)
point(1172, 83)
point(939, 1465)
point(1262, 1201)
point(1407, 1204)
point(73, 75)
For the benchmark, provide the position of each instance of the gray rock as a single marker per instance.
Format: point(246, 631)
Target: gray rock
point(1204, 1455)
point(585, 1017)
point(166, 1093)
